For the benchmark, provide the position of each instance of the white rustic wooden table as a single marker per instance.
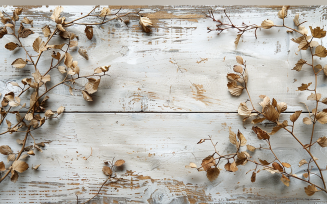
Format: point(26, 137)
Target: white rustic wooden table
point(166, 90)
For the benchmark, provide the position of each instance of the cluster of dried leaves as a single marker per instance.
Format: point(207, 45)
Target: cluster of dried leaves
point(271, 112)
point(30, 102)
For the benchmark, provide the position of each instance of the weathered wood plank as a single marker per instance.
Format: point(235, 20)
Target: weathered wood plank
point(156, 148)
point(178, 67)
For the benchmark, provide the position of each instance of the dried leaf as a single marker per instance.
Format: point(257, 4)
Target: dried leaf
point(3, 31)
point(208, 162)
point(145, 22)
point(60, 110)
point(86, 96)
point(307, 121)
point(271, 113)
point(314, 44)
point(24, 32)
point(11, 46)
point(264, 162)
point(92, 85)
point(314, 97)
point(11, 157)
point(266, 24)
point(296, 20)
point(60, 27)
point(243, 110)
point(310, 189)
point(238, 68)
point(303, 161)
point(46, 31)
point(277, 166)
point(237, 40)
point(281, 107)
point(278, 127)
point(104, 12)
point(322, 141)
point(192, 165)
point(83, 53)
point(68, 60)
point(62, 69)
point(295, 116)
point(250, 148)
point(14, 176)
point(89, 32)
point(2, 166)
point(31, 152)
point(320, 51)
point(299, 64)
point(19, 63)
point(234, 89)
point(240, 60)
point(285, 180)
point(5, 150)
point(258, 120)
point(19, 166)
point(56, 14)
point(213, 173)
point(287, 165)
point(36, 167)
point(48, 113)
point(303, 30)
point(241, 138)
point(304, 87)
point(282, 13)
point(265, 102)
point(321, 117)
point(107, 171)
point(46, 78)
point(27, 21)
point(119, 162)
point(232, 137)
point(317, 32)
point(254, 174)
point(261, 134)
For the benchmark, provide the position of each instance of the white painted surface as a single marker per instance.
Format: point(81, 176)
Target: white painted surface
point(158, 72)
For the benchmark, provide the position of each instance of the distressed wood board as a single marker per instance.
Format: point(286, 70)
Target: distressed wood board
point(166, 91)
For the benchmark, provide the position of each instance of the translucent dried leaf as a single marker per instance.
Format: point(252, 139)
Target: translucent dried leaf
point(287, 165)
point(307, 121)
point(107, 171)
point(265, 102)
point(241, 138)
point(266, 24)
point(281, 107)
point(296, 20)
point(46, 31)
point(243, 110)
point(56, 14)
point(11, 46)
point(48, 113)
point(303, 161)
point(321, 51)
point(317, 32)
point(310, 189)
point(83, 53)
point(295, 116)
point(5, 150)
point(92, 85)
point(253, 177)
point(314, 44)
point(104, 12)
point(304, 87)
point(240, 60)
point(62, 69)
point(86, 96)
point(234, 89)
point(119, 162)
point(271, 113)
point(303, 30)
point(208, 162)
point(19, 166)
point(314, 97)
point(299, 64)
point(261, 134)
point(285, 180)
point(321, 117)
point(213, 173)
point(19, 63)
point(145, 22)
point(60, 110)
point(250, 148)
point(37, 76)
point(282, 13)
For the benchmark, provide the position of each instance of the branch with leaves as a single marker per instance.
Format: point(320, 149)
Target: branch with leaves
point(32, 114)
point(272, 111)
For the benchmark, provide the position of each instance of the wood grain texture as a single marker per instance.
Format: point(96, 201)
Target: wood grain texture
point(175, 79)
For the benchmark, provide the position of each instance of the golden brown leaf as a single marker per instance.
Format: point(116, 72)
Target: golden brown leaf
point(213, 173)
point(92, 85)
point(282, 13)
point(234, 89)
point(11, 46)
point(325, 70)
point(295, 116)
point(296, 20)
point(314, 97)
point(24, 32)
point(261, 134)
point(240, 60)
point(238, 68)
point(14, 176)
point(192, 165)
point(271, 113)
point(36, 167)
point(237, 40)
point(241, 138)
point(60, 110)
point(46, 31)
point(68, 60)
point(303, 161)
point(86, 96)
point(56, 14)
point(107, 170)
point(307, 121)
point(3, 31)
point(303, 30)
point(317, 32)
point(89, 32)
point(320, 51)
point(250, 148)
point(285, 180)
point(27, 21)
point(310, 189)
point(322, 141)
point(208, 162)
point(253, 177)
point(299, 64)
point(2, 166)
point(19, 63)
point(266, 24)
point(304, 87)
point(287, 165)
point(119, 162)
point(243, 110)
point(232, 137)
point(258, 120)
point(264, 162)
point(5, 150)
point(265, 102)
point(104, 12)
point(19, 166)
point(281, 107)
point(321, 117)
point(277, 166)
point(314, 44)
point(145, 22)
point(62, 69)
point(83, 53)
